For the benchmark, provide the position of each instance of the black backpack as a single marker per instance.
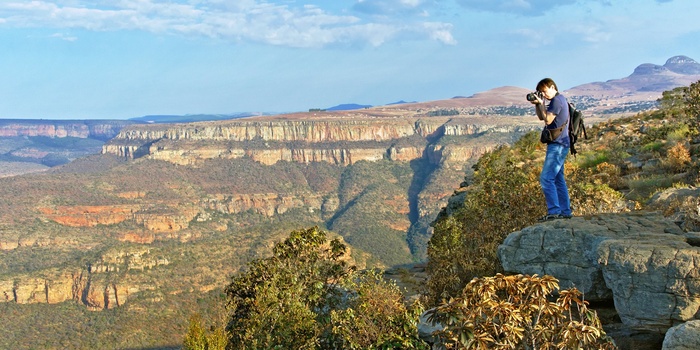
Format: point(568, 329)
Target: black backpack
point(576, 127)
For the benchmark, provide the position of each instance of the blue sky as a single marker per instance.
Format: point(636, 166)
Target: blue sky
point(119, 59)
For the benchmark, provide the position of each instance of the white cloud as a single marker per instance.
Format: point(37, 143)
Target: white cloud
point(246, 20)
point(64, 37)
point(522, 7)
point(388, 7)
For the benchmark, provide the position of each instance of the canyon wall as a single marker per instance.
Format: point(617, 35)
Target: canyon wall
point(341, 142)
point(90, 286)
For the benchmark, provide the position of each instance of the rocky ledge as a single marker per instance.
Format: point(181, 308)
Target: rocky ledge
point(642, 262)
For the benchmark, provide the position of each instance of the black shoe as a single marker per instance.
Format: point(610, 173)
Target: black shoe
point(565, 216)
point(549, 217)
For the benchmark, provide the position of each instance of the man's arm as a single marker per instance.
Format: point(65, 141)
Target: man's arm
point(542, 113)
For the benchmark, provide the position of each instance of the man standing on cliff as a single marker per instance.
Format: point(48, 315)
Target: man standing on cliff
point(556, 119)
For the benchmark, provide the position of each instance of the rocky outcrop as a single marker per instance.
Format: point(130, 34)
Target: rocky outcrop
point(89, 216)
point(682, 205)
point(92, 286)
point(268, 204)
point(169, 218)
point(344, 156)
point(311, 131)
point(641, 261)
point(51, 288)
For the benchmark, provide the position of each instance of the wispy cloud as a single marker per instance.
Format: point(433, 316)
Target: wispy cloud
point(389, 7)
point(63, 36)
point(246, 20)
point(521, 7)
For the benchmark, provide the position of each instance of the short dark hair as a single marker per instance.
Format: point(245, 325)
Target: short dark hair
point(545, 83)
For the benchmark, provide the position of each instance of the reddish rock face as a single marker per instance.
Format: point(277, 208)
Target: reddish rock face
point(89, 216)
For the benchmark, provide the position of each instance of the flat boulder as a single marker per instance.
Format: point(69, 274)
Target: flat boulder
point(641, 260)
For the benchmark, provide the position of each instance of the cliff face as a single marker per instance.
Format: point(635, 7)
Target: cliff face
point(90, 286)
point(341, 142)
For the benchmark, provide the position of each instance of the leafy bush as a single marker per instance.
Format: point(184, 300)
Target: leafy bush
point(282, 301)
point(643, 187)
point(304, 297)
point(515, 312)
point(692, 104)
point(680, 133)
point(589, 160)
point(654, 146)
point(677, 158)
point(197, 338)
point(375, 316)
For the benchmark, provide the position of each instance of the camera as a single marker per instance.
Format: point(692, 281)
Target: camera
point(533, 96)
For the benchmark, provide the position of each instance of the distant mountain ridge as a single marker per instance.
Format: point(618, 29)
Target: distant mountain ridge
point(646, 78)
point(347, 107)
point(682, 65)
point(189, 118)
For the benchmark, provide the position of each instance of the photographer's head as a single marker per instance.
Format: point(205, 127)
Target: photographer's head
point(548, 88)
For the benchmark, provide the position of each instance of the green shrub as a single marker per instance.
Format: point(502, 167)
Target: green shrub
point(642, 187)
point(197, 338)
point(375, 316)
point(680, 133)
point(305, 296)
point(284, 300)
point(654, 146)
point(592, 159)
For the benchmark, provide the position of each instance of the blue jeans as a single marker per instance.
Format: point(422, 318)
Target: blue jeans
point(556, 194)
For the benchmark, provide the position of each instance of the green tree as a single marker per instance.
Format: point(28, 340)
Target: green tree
point(672, 101)
point(307, 296)
point(284, 301)
point(197, 338)
point(692, 103)
point(682, 101)
point(375, 316)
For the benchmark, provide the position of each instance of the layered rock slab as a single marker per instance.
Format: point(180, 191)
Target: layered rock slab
point(642, 261)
